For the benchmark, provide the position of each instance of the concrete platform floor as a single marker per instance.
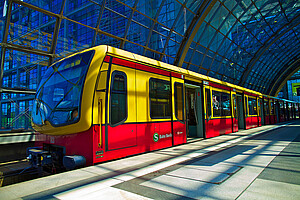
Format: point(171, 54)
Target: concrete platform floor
point(260, 163)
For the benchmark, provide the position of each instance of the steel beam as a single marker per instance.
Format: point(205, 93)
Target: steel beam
point(55, 33)
point(7, 22)
point(35, 8)
point(26, 49)
point(152, 27)
point(17, 90)
point(276, 36)
point(99, 20)
point(128, 24)
point(284, 77)
point(192, 30)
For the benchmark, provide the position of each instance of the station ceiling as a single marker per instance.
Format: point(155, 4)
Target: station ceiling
point(251, 43)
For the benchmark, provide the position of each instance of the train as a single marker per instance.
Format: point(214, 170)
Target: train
point(105, 103)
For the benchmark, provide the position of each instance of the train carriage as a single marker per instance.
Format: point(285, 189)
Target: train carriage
point(122, 107)
point(105, 103)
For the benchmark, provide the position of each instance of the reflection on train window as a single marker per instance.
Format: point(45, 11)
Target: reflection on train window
point(272, 108)
point(179, 101)
point(160, 97)
point(216, 98)
point(290, 106)
point(225, 104)
point(118, 102)
point(221, 104)
point(281, 105)
point(281, 108)
point(252, 106)
point(266, 107)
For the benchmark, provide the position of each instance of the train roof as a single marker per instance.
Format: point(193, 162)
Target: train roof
point(189, 75)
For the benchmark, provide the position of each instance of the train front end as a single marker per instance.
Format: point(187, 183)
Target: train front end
point(62, 112)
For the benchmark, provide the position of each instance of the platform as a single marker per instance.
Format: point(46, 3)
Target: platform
point(260, 163)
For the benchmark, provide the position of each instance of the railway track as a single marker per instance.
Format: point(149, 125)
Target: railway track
point(17, 171)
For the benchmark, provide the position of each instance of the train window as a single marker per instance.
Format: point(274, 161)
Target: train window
point(160, 98)
point(60, 91)
point(252, 103)
point(208, 103)
point(216, 99)
point(118, 98)
point(271, 108)
point(225, 104)
point(221, 104)
point(179, 101)
point(58, 94)
point(266, 107)
point(281, 105)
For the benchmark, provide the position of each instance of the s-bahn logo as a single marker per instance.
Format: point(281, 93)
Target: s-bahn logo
point(155, 137)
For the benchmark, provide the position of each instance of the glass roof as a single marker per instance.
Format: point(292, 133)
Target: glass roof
point(252, 43)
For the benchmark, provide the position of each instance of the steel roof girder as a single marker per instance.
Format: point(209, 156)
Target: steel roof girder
point(268, 43)
point(191, 31)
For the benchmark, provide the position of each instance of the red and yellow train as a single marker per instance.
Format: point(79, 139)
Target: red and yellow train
point(105, 103)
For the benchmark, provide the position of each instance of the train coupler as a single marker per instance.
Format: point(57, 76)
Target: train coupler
point(38, 157)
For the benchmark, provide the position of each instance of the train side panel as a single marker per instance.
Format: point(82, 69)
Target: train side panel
point(251, 122)
point(148, 123)
point(216, 127)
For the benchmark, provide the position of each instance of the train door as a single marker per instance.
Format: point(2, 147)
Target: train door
point(122, 108)
point(194, 109)
point(288, 111)
point(277, 111)
point(266, 111)
point(235, 124)
point(282, 112)
point(293, 111)
point(207, 106)
point(178, 116)
point(260, 112)
point(297, 110)
point(240, 111)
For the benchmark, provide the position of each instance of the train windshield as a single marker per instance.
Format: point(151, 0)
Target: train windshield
point(59, 94)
